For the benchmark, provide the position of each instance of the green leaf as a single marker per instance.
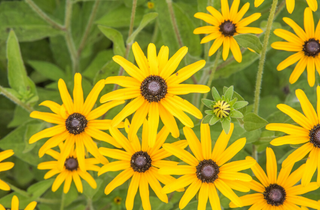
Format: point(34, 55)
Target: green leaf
point(27, 24)
point(215, 94)
point(229, 93)
point(89, 191)
point(166, 27)
point(17, 74)
point(209, 112)
point(31, 130)
point(225, 125)
point(117, 39)
point(108, 70)
point(98, 62)
point(236, 114)
point(206, 119)
point(240, 104)
point(48, 70)
point(249, 41)
point(208, 103)
point(253, 122)
point(147, 18)
point(37, 189)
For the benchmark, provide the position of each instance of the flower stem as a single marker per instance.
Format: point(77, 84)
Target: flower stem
point(261, 65)
point(14, 99)
point(88, 27)
point(174, 22)
point(133, 13)
point(44, 16)
point(214, 68)
point(62, 201)
point(17, 190)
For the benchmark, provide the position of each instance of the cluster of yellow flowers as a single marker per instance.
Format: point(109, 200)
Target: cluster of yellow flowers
point(153, 87)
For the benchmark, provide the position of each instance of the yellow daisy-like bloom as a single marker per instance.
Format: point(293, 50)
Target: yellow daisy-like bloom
point(15, 205)
point(5, 167)
point(313, 4)
point(221, 109)
point(77, 122)
point(308, 134)
point(306, 44)
point(70, 171)
point(278, 193)
point(153, 87)
point(140, 162)
point(225, 26)
point(208, 170)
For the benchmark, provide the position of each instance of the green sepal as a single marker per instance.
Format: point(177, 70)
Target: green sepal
point(210, 112)
point(208, 103)
point(232, 102)
point(225, 125)
point(236, 114)
point(215, 94)
point(206, 119)
point(229, 93)
point(240, 104)
point(214, 119)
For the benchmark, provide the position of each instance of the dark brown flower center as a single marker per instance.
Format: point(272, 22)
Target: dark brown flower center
point(207, 171)
point(140, 161)
point(314, 135)
point(311, 47)
point(275, 195)
point(153, 88)
point(228, 28)
point(71, 164)
point(76, 123)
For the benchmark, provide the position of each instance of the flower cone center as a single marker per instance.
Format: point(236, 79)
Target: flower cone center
point(153, 88)
point(76, 123)
point(227, 28)
point(71, 164)
point(140, 161)
point(221, 109)
point(314, 135)
point(207, 171)
point(275, 195)
point(311, 47)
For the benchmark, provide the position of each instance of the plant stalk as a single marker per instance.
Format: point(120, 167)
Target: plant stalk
point(14, 99)
point(261, 66)
point(62, 201)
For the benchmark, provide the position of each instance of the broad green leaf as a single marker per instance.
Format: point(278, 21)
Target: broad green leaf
point(98, 62)
point(249, 41)
point(48, 70)
point(253, 122)
point(24, 21)
point(208, 103)
point(147, 18)
point(166, 27)
point(240, 104)
point(117, 39)
point(236, 114)
point(186, 27)
point(17, 74)
point(215, 94)
point(229, 93)
point(120, 17)
point(37, 189)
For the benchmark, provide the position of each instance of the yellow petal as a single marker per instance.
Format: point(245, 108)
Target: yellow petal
point(207, 18)
point(221, 143)
point(101, 110)
point(228, 192)
point(129, 67)
point(181, 154)
point(226, 48)
point(181, 182)
point(231, 151)
point(311, 165)
point(193, 142)
point(119, 180)
point(78, 93)
point(290, 37)
point(271, 166)
point(169, 121)
point(140, 59)
point(205, 140)
point(55, 130)
point(65, 96)
point(132, 190)
point(308, 23)
point(297, 29)
point(153, 122)
point(115, 153)
point(215, 13)
point(216, 45)
point(241, 12)
point(290, 5)
point(185, 105)
point(290, 60)
point(144, 192)
point(156, 187)
point(52, 105)
point(190, 193)
point(246, 21)
point(313, 4)
point(152, 58)
point(307, 107)
point(183, 89)
point(178, 170)
point(214, 197)
point(15, 203)
point(298, 154)
point(173, 63)
point(92, 97)
point(203, 196)
point(58, 181)
point(235, 49)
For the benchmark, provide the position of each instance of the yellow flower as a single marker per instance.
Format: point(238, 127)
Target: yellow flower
point(313, 4)
point(139, 162)
point(15, 204)
point(77, 122)
point(70, 171)
point(5, 167)
point(308, 134)
point(221, 109)
point(150, 5)
point(225, 26)
point(208, 170)
point(306, 45)
point(278, 193)
point(153, 87)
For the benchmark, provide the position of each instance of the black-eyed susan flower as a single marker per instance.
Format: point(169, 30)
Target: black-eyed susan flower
point(225, 25)
point(307, 133)
point(208, 170)
point(70, 171)
point(306, 45)
point(223, 108)
point(77, 122)
point(15, 205)
point(278, 192)
point(141, 162)
point(313, 4)
point(154, 88)
point(5, 166)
